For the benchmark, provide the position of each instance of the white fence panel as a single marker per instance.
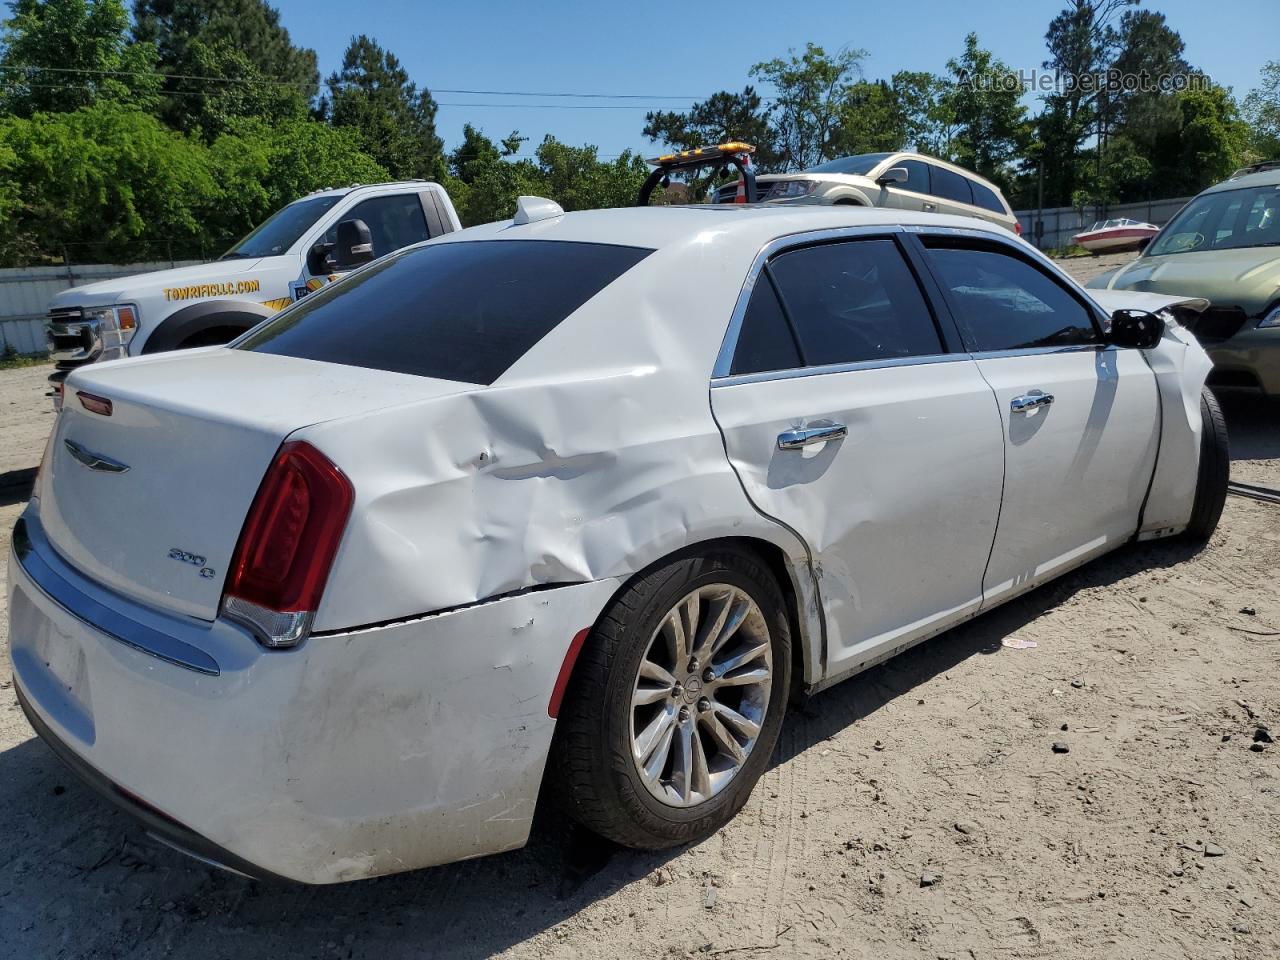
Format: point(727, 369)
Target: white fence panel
point(1063, 223)
point(25, 293)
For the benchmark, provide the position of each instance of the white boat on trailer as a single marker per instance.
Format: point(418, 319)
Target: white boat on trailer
point(1118, 234)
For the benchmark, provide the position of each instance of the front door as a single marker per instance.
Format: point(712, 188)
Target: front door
point(847, 420)
point(1081, 418)
point(395, 220)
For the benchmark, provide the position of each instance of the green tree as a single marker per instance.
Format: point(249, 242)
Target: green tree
point(1149, 49)
point(1083, 41)
point(871, 119)
point(928, 112)
point(1262, 110)
point(107, 182)
point(1208, 145)
point(396, 124)
point(809, 93)
point(475, 153)
point(87, 41)
point(262, 166)
point(992, 130)
point(721, 118)
point(258, 71)
point(577, 179)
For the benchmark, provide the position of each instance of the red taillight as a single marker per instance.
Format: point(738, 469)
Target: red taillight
point(287, 544)
point(1017, 228)
point(94, 404)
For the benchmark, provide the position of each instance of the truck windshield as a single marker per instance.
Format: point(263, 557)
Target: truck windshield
point(281, 230)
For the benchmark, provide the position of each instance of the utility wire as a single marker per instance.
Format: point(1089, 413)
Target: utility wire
point(12, 85)
point(306, 84)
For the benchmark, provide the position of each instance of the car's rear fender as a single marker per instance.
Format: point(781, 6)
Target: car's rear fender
point(486, 493)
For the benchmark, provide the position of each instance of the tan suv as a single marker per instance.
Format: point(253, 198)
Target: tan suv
point(907, 181)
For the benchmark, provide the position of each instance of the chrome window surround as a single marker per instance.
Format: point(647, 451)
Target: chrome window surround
point(721, 377)
point(28, 546)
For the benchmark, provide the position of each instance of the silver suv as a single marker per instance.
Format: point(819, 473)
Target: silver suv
point(907, 181)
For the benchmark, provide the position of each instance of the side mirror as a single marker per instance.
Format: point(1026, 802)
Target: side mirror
point(1135, 328)
point(355, 244)
point(893, 175)
point(318, 258)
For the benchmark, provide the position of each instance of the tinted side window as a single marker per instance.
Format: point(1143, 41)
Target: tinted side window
point(855, 301)
point(458, 311)
point(394, 221)
point(951, 186)
point(918, 176)
point(1004, 303)
point(986, 198)
point(765, 341)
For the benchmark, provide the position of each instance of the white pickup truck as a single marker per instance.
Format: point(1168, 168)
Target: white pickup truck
point(300, 248)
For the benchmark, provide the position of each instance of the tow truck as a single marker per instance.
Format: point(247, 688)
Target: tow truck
point(304, 245)
point(734, 154)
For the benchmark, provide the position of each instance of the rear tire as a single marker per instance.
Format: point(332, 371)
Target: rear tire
point(1214, 472)
point(596, 771)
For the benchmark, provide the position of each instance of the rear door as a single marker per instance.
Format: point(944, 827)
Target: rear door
point(848, 420)
point(952, 192)
point(1081, 418)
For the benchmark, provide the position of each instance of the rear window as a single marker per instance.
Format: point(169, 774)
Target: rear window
point(986, 198)
point(456, 311)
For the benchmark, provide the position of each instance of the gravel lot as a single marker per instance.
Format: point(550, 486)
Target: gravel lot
point(1157, 835)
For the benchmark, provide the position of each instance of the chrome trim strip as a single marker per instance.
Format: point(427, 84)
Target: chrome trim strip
point(1043, 351)
point(724, 359)
point(98, 615)
point(741, 378)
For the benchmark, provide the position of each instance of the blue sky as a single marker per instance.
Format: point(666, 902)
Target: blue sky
point(691, 50)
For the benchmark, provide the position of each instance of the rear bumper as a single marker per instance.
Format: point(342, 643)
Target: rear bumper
point(355, 755)
point(1254, 353)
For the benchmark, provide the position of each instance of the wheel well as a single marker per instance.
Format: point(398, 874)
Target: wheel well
point(848, 202)
point(211, 337)
point(774, 560)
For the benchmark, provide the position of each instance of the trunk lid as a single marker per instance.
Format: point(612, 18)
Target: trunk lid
point(149, 501)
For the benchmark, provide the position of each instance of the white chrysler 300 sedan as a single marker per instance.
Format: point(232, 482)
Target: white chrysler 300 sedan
point(572, 504)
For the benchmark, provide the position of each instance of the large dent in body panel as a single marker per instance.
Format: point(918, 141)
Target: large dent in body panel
point(573, 467)
point(1181, 367)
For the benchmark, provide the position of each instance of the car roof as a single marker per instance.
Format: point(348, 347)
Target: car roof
point(748, 224)
point(352, 188)
point(1263, 178)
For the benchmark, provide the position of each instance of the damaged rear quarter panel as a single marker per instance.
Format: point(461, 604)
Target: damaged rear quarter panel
point(593, 456)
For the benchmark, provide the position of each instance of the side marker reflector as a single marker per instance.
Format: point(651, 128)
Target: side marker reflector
point(566, 670)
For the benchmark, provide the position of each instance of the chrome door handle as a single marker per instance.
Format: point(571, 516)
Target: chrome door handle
point(1029, 401)
point(795, 439)
point(928, 206)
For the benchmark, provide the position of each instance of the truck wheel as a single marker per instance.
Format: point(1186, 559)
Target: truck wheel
point(676, 703)
point(1214, 472)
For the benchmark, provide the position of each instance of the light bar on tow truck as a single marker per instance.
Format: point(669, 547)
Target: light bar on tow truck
point(735, 153)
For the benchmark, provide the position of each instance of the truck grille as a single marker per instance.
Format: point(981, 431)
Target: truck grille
point(1218, 323)
point(71, 340)
point(727, 193)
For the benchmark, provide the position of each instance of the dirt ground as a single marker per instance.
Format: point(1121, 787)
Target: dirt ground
point(917, 811)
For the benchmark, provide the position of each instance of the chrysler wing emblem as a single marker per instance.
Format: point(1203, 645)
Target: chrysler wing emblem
point(94, 461)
